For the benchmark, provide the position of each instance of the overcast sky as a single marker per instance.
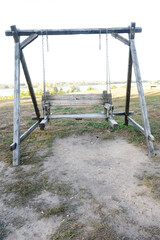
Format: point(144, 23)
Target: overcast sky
point(78, 58)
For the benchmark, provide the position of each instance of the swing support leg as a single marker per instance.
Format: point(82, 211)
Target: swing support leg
point(147, 130)
point(17, 139)
point(129, 77)
point(16, 127)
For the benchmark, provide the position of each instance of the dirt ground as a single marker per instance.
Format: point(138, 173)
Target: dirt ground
point(103, 193)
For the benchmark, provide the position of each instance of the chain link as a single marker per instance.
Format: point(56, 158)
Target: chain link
point(47, 44)
point(108, 81)
point(44, 72)
point(100, 40)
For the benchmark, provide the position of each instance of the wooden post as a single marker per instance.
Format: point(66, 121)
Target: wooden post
point(29, 82)
point(129, 77)
point(16, 128)
point(142, 99)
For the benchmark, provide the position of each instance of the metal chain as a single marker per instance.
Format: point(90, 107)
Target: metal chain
point(47, 41)
point(108, 81)
point(44, 73)
point(100, 40)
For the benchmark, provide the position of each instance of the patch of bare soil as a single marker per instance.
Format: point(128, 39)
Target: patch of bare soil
point(102, 192)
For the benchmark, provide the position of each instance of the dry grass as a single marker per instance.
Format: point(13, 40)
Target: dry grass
point(28, 184)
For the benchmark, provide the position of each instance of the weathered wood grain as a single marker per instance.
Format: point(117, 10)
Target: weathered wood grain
point(28, 40)
point(147, 129)
point(120, 38)
point(77, 99)
point(137, 125)
point(29, 82)
point(24, 135)
point(16, 128)
point(113, 123)
point(43, 123)
point(79, 116)
point(129, 76)
point(74, 31)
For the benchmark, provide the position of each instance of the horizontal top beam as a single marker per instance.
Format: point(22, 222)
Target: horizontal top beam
point(73, 31)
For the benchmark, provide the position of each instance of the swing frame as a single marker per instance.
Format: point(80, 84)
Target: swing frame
point(106, 101)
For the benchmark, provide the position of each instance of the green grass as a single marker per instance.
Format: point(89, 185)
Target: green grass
point(151, 182)
point(154, 231)
point(55, 210)
point(67, 230)
point(103, 231)
point(40, 140)
point(23, 191)
point(3, 231)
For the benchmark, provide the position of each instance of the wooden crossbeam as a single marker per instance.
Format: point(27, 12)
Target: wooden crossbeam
point(122, 113)
point(73, 31)
point(97, 115)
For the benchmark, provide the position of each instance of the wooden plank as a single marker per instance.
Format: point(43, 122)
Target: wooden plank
point(75, 103)
point(142, 99)
point(16, 128)
point(99, 114)
point(43, 123)
point(120, 38)
point(77, 99)
point(122, 113)
point(24, 135)
point(79, 116)
point(74, 97)
point(29, 82)
point(113, 123)
point(28, 40)
point(74, 31)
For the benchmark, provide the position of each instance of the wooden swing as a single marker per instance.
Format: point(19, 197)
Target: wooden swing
point(104, 99)
point(71, 100)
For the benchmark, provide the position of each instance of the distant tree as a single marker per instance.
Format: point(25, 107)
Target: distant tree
point(74, 88)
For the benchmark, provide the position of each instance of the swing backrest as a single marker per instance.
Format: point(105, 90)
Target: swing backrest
point(78, 99)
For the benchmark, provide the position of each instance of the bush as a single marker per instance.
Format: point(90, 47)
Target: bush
point(90, 89)
point(24, 93)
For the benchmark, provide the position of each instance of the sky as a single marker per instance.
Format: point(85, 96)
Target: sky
point(78, 58)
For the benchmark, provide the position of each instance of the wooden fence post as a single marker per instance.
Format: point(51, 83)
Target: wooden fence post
point(16, 128)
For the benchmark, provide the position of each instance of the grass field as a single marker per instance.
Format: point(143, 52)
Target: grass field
point(64, 127)
point(24, 188)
